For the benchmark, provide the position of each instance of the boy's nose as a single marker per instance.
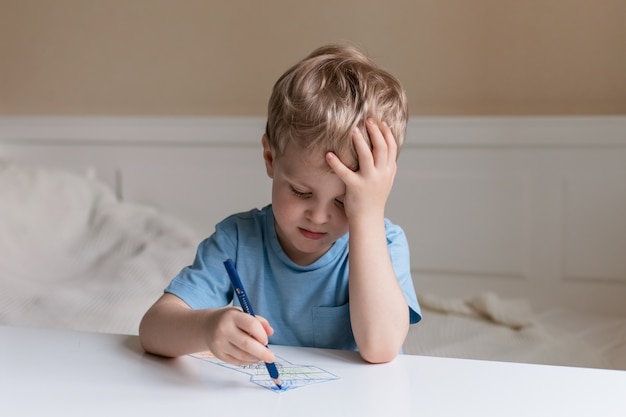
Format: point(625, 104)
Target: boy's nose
point(317, 214)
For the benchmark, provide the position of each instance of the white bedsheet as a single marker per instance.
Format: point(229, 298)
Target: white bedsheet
point(488, 327)
point(73, 256)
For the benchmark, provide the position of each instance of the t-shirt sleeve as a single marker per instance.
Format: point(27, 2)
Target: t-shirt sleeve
point(400, 258)
point(205, 283)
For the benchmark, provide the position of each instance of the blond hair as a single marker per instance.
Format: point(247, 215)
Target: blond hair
point(318, 102)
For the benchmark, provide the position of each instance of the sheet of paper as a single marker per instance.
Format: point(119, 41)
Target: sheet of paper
point(291, 375)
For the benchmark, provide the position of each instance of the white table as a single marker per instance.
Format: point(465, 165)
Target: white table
point(52, 372)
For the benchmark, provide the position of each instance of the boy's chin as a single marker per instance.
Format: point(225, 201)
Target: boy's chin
point(307, 254)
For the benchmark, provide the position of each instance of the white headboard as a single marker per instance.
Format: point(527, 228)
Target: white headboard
point(531, 207)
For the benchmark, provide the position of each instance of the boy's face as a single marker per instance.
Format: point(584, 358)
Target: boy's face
point(307, 201)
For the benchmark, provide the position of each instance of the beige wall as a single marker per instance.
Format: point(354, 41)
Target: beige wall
point(192, 57)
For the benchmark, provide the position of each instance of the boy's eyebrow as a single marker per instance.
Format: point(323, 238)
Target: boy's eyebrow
point(292, 176)
point(309, 190)
point(296, 182)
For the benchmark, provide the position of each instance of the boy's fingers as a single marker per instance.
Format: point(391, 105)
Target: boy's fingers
point(253, 338)
point(337, 166)
point(363, 151)
point(392, 146)
point(362, 148)
point(252, 326)
point(384, 146)
point(240, 356)
point(251, 350)
point(266, 325)
point(375, 134)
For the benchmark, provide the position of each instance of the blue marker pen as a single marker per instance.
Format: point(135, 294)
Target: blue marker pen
point(245, 304)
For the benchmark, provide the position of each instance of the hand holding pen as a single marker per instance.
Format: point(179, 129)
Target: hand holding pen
point(245, 305)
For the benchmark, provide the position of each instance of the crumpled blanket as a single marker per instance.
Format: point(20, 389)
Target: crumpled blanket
point(488, 327)
point(514, 313)
point(72, 256)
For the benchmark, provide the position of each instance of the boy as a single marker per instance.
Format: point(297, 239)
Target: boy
point(335, 124)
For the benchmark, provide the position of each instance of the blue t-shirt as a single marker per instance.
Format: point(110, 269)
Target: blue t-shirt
point(306, 305)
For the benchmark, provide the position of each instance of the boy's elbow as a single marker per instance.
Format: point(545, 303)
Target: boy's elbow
point(381, 348)
point(379, 355)
point(144, 336)
point(147, 337)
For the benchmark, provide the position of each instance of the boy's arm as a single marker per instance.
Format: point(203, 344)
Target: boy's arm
point(171, 328)
point(378, 310)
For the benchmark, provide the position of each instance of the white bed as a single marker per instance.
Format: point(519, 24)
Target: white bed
point(517, 226)
point(73, 256)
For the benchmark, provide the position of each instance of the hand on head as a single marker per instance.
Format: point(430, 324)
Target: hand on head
point(368, 188)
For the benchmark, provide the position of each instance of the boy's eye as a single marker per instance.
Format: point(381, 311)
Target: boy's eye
point(300, 193)
point(339, 203)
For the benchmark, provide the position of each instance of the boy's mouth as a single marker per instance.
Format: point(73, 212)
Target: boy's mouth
point(311, 235)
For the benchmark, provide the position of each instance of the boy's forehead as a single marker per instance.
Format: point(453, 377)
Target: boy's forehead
point(310, 169)
point(313, 157)
point(300, 155)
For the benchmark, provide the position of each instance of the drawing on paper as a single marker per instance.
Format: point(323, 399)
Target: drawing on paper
point(291, 375)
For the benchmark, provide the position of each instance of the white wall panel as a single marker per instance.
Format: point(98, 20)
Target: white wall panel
point(464, 223)
point(594, 227)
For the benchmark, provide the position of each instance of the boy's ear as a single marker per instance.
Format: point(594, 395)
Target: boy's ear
point(268, 157)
